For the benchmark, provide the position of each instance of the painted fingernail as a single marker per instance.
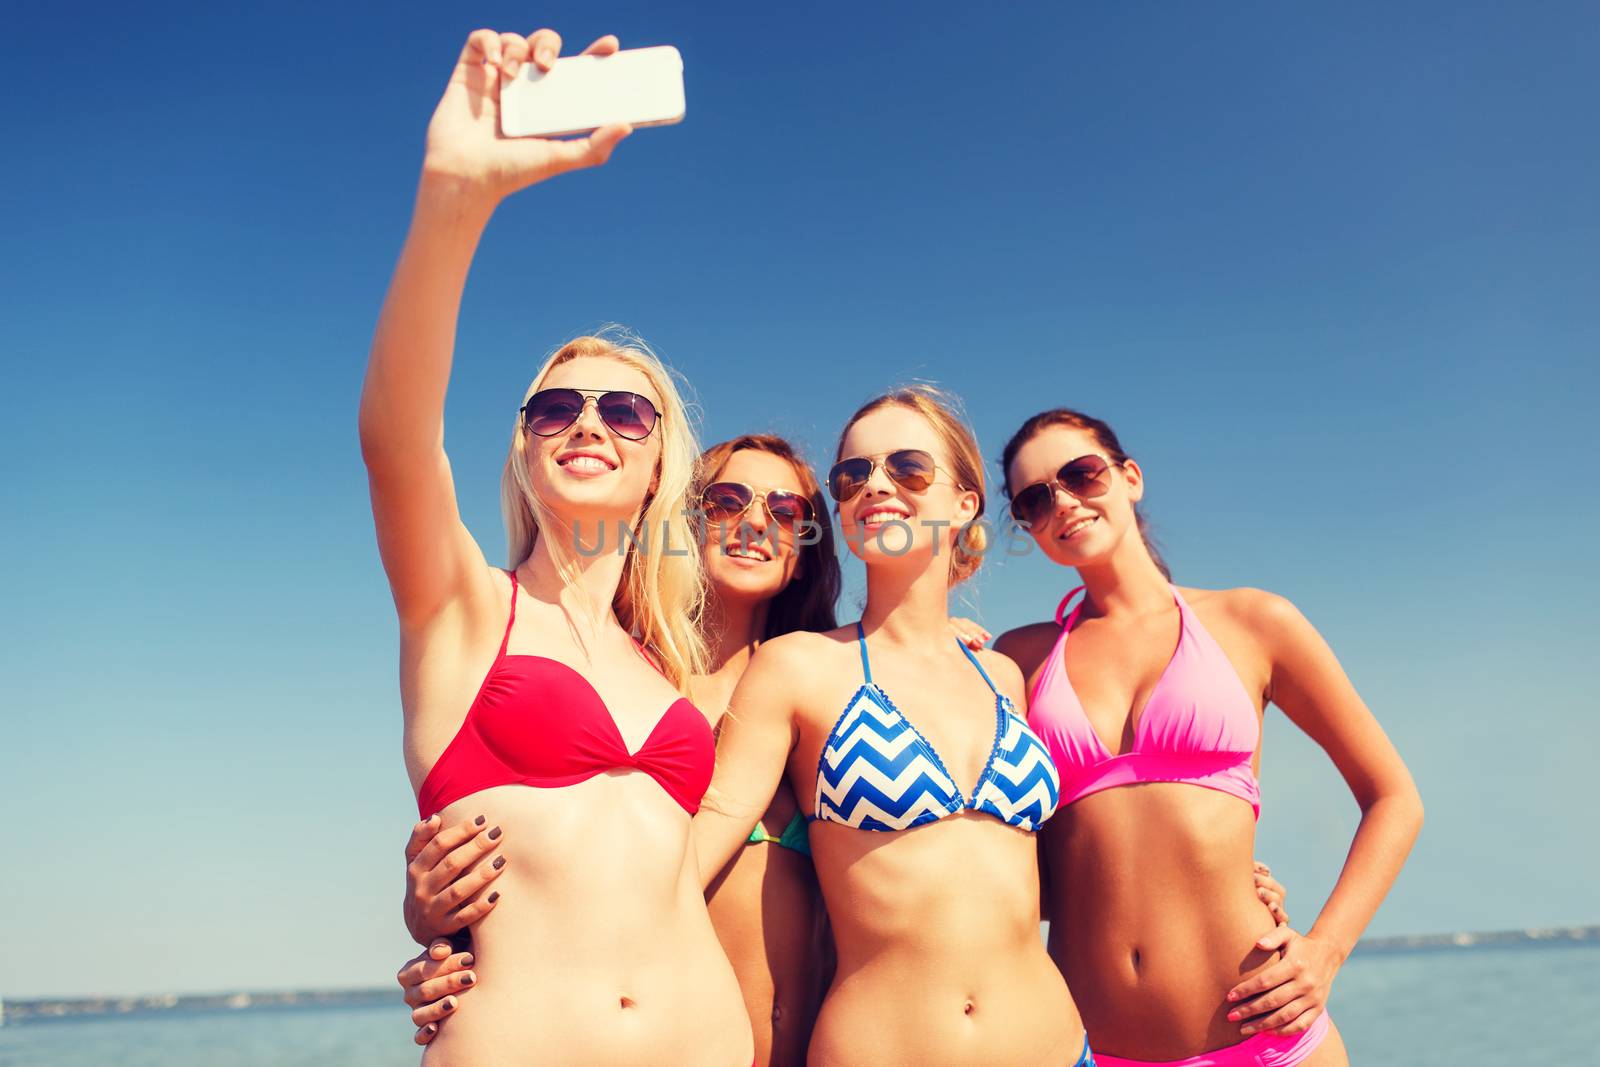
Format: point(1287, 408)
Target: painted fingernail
point(494, 835)
point(494, 896)
point(499, 861)
point(1233, 996)
point(467, 979)
point(479, 821)
point(430, 1029)
point(466, 959)
point(1233, 1016)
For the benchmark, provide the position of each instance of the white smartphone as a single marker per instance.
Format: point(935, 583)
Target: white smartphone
point(641, 86)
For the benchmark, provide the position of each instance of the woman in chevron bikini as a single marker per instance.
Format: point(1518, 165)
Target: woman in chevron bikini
point(923, 783)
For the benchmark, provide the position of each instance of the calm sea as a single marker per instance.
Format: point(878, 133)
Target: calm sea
point(1426, 1009)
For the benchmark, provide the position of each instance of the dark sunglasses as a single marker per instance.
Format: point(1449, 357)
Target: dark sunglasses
point(724, 501)
point(550, 411)
point(909, 468)
point(1084, 478)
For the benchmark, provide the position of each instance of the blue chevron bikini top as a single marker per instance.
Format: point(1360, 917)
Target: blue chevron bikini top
point(877, 771)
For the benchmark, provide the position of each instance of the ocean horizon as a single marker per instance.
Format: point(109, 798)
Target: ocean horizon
point(1423, 1007)
point(24, 1008)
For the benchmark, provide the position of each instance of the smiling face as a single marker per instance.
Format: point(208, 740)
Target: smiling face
point(587, 473)
point(749, 557)
point(1077, 531)
point(870, 520)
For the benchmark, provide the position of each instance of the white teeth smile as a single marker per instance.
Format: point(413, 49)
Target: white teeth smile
point(879, 516)
point(1075, 527)
point(592, 464)
point(747, 552)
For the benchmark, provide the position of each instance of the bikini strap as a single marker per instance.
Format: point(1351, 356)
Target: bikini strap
point(1062, 607)
point(513, 617)
point(975, 663)
point(645, 655)
point(866, 668)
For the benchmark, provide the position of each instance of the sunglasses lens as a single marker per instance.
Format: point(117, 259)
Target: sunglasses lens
point(788, 509)
point(1032, 504)
point(912, 468)
point(723, 500)
point(628, 414)
point(848, 476)
point(1085, 477)
point(549, 411)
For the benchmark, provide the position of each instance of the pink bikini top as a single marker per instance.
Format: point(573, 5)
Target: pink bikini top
point(1199, 725)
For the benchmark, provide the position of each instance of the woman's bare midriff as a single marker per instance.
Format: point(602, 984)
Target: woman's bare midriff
point(599, 952)
point(1154, 915)
point(940, 961)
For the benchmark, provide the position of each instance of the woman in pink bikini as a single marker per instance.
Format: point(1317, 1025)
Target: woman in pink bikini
point(1168, 951)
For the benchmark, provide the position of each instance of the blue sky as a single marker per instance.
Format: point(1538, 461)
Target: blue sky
point(1331, 274)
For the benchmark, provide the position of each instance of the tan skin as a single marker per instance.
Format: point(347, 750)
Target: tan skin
point(1151, 916)
point(765, 905)
point(628, 968)
point(939, 959)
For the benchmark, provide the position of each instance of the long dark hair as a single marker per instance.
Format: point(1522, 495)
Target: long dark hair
point(807, 602)
point(1103, 435)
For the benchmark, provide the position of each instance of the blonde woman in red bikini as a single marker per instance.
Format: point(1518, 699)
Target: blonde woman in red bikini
point(529, 703)
point(765, 577)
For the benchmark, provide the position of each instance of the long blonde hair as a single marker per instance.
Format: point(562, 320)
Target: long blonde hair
point(660, 592)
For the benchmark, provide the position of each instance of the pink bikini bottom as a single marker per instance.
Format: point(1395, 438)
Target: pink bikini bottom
point(1258, 1050)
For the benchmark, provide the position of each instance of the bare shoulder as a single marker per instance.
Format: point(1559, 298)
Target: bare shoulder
point(1004, 672)
point(1246, 604)
point(1269, 618)
point(1027, 646)
point(802, 651)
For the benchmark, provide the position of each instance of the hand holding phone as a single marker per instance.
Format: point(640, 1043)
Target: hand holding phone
point(639, 87)
point(466, 149)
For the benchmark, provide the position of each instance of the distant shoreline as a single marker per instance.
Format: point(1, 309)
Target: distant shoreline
point(48, 1008)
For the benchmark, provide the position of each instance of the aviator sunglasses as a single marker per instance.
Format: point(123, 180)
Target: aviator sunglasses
point(725, 501)
point(909, 468)
point(1083, 478)
point(550, 411)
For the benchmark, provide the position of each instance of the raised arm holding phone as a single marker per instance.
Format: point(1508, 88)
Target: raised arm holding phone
point(532, 676)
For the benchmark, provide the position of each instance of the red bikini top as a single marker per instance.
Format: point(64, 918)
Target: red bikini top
point(537, 721)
